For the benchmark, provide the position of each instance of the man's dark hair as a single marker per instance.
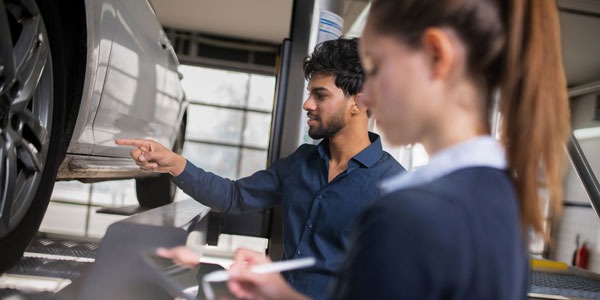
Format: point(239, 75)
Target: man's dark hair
point(340, 58)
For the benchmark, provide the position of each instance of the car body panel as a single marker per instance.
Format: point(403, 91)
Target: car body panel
point(131, 89)
point(100, 21)
point(135, 75)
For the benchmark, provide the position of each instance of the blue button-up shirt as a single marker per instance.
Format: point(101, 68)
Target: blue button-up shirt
point(317, 215)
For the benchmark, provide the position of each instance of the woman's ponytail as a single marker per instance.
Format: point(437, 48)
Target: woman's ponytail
point(534, 105)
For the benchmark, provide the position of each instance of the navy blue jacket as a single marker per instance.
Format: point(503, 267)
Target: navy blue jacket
point(457, 237)
point(317, 216)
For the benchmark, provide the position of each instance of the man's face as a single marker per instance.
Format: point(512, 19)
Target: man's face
point(327, 107)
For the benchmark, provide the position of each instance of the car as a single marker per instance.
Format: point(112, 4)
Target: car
point(74, 76)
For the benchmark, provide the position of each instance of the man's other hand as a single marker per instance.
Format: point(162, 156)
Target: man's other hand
point(153, 157)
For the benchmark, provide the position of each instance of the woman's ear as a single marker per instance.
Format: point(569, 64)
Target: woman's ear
point(440, 49)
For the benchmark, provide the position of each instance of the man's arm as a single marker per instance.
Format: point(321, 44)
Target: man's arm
point(260, 190)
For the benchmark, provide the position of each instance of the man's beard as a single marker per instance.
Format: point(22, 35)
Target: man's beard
point(336, 124)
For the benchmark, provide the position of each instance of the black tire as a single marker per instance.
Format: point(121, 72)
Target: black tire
point(14, 242)
point(160, 190)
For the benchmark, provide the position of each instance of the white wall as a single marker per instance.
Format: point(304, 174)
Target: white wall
point(579, 220)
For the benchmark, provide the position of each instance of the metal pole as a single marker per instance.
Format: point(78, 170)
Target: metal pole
point(283, 71)
point(585, 172)
point(584, 89)
point(300, 35)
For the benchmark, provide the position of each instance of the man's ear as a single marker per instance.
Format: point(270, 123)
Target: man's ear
point(357, 105)
point(441, 51)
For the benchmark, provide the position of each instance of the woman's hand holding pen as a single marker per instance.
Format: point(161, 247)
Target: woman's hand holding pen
point(245, 284)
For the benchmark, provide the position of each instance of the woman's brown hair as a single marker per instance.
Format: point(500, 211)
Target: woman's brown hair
point(514, 47)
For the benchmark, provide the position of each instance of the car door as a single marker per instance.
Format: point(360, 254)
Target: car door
point(134, 80)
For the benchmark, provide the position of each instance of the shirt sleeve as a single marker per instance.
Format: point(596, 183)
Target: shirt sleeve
point(260, 190)
point(401, 251)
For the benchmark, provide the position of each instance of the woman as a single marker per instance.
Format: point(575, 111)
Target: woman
point(456, 228)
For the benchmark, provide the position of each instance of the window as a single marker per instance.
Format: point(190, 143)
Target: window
point(229, 120)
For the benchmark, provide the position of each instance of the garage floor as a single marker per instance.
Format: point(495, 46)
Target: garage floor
point(48, 265)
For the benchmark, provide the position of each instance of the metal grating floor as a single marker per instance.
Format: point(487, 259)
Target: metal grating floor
point(34, 266)
point(55, 246)
point(53, 261)
point(565, 285)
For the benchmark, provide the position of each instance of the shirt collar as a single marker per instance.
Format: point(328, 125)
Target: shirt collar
point(483, 151)
point(367, 157)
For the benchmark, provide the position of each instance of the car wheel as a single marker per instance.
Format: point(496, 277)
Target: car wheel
point(31, 125)
point(157, 191)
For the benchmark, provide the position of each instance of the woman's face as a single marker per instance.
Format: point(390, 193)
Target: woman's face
point(399, 88)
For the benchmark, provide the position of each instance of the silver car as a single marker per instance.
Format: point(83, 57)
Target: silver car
point(74, 76)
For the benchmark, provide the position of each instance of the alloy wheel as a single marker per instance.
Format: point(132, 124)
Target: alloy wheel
point(26, 107)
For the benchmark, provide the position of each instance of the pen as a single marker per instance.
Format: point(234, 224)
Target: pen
point(280, 266)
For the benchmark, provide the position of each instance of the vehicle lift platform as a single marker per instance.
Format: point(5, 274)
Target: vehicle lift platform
point(114, 268)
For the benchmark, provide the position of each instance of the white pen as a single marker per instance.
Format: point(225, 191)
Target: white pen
point(280, 266)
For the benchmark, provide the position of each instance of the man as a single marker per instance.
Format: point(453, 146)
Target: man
point(322, 189)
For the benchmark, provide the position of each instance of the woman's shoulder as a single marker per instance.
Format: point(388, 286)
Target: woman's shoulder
point(465, 183)
point(471, 179)
point(445, 198)
point(418, 209)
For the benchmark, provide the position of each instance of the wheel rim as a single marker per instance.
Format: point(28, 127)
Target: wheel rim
point(25, 108)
